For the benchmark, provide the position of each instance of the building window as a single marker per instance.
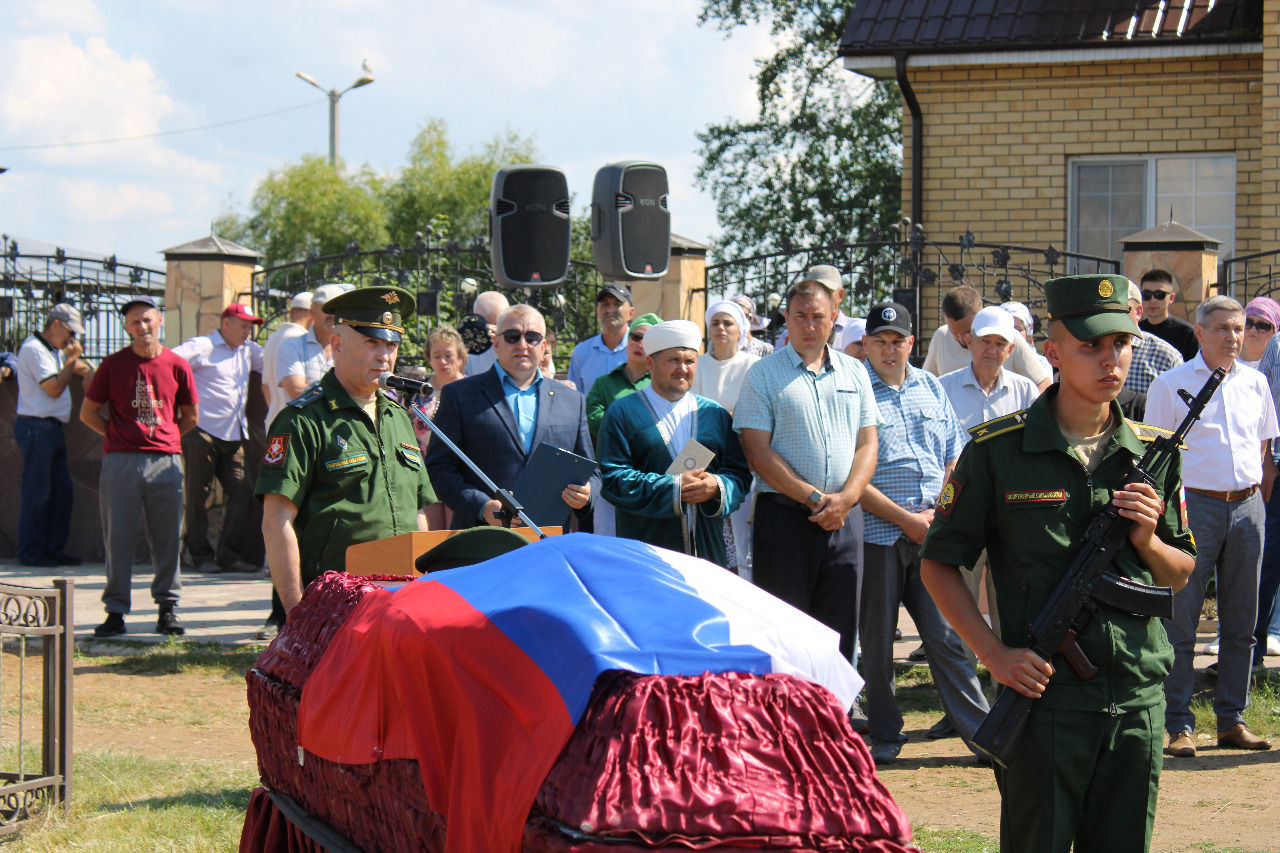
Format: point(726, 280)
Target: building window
point(1113, 198)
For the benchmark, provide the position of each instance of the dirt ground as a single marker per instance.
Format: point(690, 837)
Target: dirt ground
point(1225, 798)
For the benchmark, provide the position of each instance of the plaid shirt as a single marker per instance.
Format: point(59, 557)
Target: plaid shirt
point(813, 419)
point(1151, 357)
point(919, 436)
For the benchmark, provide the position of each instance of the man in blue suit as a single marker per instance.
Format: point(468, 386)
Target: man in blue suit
point(499, 416)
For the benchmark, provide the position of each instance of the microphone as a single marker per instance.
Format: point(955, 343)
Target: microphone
point(404, 383)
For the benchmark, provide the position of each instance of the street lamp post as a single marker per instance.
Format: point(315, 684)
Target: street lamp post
point(333, 95)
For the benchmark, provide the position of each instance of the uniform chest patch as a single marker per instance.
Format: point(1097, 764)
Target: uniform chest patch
point(947, 499)
point(1035, 496)
point(277, 450)
point(349, 462)
point(340, 441)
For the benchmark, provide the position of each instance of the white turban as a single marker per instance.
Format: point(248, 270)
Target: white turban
point(673, 333)
point(856, 331)
point(1019, 310)
point(739, 316)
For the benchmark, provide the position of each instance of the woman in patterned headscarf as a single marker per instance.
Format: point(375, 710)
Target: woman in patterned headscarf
point(1261, 317)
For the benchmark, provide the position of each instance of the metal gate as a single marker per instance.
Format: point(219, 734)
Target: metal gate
point(904, 270)
point(36, 276)
point(444, 275)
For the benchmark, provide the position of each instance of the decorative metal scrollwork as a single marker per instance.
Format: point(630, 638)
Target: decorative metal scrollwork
point(25, 611)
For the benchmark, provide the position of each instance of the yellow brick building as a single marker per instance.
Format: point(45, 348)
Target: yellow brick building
point(1062, 123)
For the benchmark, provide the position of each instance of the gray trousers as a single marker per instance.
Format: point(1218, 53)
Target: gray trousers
point(891, 576)
point(1228, 537)
point(141, 489)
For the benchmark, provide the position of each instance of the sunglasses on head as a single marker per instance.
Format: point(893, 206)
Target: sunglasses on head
point(636, 336)
point(1260, 325)
point(513, 336)
point(1157, 295)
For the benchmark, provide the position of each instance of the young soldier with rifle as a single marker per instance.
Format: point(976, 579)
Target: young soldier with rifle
point(1030, 488)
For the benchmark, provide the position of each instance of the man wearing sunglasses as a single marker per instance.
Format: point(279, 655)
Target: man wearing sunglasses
point(1158, 295)
point(498, 417)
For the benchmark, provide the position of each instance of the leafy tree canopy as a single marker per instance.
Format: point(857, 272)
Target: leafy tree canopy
point(310, 205)
point(822, 160)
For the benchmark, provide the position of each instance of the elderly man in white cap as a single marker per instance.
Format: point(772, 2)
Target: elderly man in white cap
point(298, 324)
point(672, 465)
point(304, 359)
point(984, 389)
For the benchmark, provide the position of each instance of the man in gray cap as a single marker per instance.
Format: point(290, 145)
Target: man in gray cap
point(305, 358)
point(46, 362)
point(298, 324)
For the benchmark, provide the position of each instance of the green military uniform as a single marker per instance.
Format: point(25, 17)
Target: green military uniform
point(1087, 768)
point(352, 479)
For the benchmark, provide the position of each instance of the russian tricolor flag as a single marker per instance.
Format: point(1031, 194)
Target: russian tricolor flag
point(480, 673)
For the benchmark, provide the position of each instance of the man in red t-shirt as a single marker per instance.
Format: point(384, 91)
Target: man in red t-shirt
point(142, 399)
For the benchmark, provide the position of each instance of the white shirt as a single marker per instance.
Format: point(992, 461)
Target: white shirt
point(37, 361)
point(1224, 447)
point(946, 355)
point(302, 356)
point(973, 406)
point(722, 380)
point(477, 364)
point(270, 349)
point(222, 382)
point(675, 419)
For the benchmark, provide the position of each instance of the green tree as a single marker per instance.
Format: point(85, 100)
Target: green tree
point(310, 206)
point(450, 194)
point(822, 160)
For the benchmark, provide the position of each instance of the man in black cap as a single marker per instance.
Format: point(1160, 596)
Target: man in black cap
point(919, 441)
point(342, 464)
point(600, 354)
point(1026, 488)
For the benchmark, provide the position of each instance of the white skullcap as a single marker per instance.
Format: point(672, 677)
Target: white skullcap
point(301, 300)
point(739, 316)
point(857, 329)
point(992, 321)
point(325, 292)
point(1022, 312)
point(672, 333)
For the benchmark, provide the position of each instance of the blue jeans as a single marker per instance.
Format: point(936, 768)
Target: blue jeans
point(45, 515)
point(1228, 537)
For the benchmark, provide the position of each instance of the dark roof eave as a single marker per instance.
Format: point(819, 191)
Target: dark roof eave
point(846, 50)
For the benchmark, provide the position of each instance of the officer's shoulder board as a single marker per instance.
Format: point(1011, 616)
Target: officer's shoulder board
point(999, 426)
point(309, 394)
point(1149, 433)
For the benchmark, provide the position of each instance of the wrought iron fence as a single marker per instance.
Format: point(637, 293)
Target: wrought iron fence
point(903, 269)
point(1250, 276)
point(444, 276)
point(36, 276)
point(42, 617)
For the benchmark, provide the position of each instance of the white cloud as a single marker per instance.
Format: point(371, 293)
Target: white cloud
point(91, 200)
point(77, 16)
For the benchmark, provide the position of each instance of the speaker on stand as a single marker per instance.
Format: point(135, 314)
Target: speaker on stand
point(630, 222)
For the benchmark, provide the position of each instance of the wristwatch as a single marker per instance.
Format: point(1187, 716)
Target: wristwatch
point(815, 497)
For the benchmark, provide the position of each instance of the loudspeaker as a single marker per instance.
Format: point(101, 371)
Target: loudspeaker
point(529, 226)
point(630, 222)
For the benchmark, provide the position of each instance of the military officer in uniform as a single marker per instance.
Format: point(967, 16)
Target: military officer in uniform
point(342, 463)
point(1026, 487)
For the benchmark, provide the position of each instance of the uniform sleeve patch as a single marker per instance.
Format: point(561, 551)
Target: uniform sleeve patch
point(950, 494)
point(1035, 496)
point(277, 450)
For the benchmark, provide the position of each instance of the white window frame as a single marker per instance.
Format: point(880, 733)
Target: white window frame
point(1151, 215)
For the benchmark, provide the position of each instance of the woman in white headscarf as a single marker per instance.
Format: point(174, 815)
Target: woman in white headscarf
point(720, 374)
point(724, 366)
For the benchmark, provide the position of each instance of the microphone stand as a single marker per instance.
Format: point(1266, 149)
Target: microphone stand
point(511, 508)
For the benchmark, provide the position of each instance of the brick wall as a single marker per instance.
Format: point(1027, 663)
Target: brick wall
point(998, 139)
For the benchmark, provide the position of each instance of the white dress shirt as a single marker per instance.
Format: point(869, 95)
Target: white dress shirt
point(222, 382)
point(1224, 448)
point(974, 406)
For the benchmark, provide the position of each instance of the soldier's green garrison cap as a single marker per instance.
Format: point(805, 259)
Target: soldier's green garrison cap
point(1090, 306)
point(378, 312)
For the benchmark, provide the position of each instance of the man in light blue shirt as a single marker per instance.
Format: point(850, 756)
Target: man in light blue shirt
point(600, 354)
point(807, 420)
point(983, 390)
point(919, 443)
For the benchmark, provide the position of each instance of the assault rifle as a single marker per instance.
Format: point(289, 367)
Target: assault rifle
point(1086, 584)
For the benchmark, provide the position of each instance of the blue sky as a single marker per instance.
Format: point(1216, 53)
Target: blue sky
point(593, 81)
